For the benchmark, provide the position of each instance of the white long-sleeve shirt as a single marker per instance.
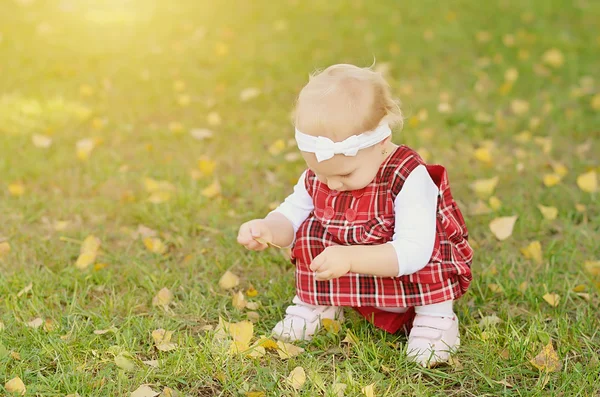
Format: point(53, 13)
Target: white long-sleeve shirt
point(415, 210)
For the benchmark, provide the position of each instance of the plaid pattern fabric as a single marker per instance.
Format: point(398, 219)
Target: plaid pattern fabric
point(366, 217)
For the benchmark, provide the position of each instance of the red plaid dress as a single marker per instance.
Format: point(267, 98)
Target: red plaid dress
point(367, 217)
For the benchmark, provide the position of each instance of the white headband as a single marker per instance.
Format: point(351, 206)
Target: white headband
point(324, 148)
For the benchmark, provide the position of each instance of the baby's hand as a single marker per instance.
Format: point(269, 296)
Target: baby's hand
point(333, 262)
point(255, 235)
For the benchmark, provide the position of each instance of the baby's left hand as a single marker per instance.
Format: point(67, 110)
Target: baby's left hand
point(333, 262)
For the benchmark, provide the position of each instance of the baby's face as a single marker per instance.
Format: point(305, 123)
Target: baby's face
point(344, 173)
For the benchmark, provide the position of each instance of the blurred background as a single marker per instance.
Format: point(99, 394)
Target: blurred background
point(124, 119)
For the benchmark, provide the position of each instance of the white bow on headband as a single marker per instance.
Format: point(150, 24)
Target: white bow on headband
point(324, 148)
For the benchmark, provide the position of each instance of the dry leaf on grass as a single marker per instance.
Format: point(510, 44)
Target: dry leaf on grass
point(533, 251)
point(369, 391)
point(212, 190)
point(41, 141)
point(249, 93)
point(155, 245)
point(4, 248)
point(549, 213)
point(163, 298)
point(332, 326)
point(35, 323)
point(15, 385)
point(229, 280)
point(88, 252)
point(297, 378)
point(547, 360)
point(502, 227)
point(588, 182)
point(552, 299)
point(201, 133)
point(25, 290)
point(16, 189)
point(287, 350)
point(124, 362)
point(484, 188)
point(144, 391)
point(592, 267)
point(238, 300)
point(162, 340)
point(151, 363)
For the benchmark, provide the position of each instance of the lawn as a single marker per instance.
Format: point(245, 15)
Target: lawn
point(158, 127)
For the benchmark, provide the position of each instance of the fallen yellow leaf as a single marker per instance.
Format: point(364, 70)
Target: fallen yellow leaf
point(4, 248)
point(495, 288)
point(155, 245)
point(16, 189)
point(547, 360)
point(296, 378)
point(41, 141)
point(249, 93)
point(277, 147)
point(483, 154)
point(580, 288)
point(560, 169)
point(84, 147)
point(256, 394)
point(339, 389)
point(552, 299)
point(369, 391)
point(229, 280)
point(551, 180)
point(163, 298)
point(162, 340)
point(287, 350)
point(211, 191)
point(25, 290)
point(502, 227)
point(251, 292)
point(545, 143)
point(123, 361)
point(15, 385)
point(35, 323)
point(595, 102)
point(549, 213)
point(206, 166)
point(519, 106)
point(268, 343)
point(252, 305)
point(592, 267)
point(484, 188)
point(495, 203)
point(184, 100)
point(213, 119)
point(238, 300)
point(201, 133)
point(144, 391)
point(533, 251)
point(553, 57)
point(523, 137)
point(588, 182)
point(332, 326)
point(241, 332)
point(511, 75)
point(88, 252)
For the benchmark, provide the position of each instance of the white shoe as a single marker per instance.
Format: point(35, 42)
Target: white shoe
point(302, 320)
point(433, 339)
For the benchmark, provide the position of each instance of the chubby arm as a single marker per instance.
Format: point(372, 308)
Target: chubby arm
point(412, 244)
point(279, 226)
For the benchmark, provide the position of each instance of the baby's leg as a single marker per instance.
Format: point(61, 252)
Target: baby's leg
point(434, 334)
point(302, 320)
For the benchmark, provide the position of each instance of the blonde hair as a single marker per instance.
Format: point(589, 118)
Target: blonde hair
point(345, 100)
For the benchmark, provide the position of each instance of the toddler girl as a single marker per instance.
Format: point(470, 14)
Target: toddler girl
point(372, 226)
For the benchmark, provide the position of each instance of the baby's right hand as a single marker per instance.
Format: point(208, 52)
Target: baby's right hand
point(252, 231)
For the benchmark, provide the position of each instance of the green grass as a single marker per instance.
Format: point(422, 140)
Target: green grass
point(131, 56)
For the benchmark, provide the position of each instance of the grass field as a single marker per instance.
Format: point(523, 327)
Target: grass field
point(104, 107)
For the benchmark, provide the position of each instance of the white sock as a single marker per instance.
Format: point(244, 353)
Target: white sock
point(443, 309)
